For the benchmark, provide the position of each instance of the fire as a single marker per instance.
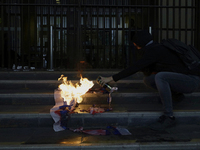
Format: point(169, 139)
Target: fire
point(72, 91)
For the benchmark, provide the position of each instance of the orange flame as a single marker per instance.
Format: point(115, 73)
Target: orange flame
point(71, 91)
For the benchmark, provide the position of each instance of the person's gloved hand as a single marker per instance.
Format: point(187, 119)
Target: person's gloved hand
point(105, 80)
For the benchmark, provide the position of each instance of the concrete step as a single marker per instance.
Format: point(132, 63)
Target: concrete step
point(123, 114)
point(71, 75)
point(92, 98)
point(22, 120)
point(44, 86)
point(19, 82)
point(23, 86)
point(27, 110)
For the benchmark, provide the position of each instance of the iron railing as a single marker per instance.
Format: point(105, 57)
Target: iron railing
point(88, 34)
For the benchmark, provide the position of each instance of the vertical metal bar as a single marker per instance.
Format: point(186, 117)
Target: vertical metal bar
point(2, 36)
point(110, 36)
point(55, 37)
point(61, 36)
point(97, 34)
point(39, 53)
point(123, 41)
point(179, 19)
point(48, 35)
point(51, 48)
point(129, 36)
point(22, 34)
point(116, 38)
point(186, 20)
point(75, 33)
point(104, 39)
point(173, 19)
point(9, 36)
point(84, 32)
point(79, 29)
point(197, 24)
point(148, 14)
point(155, 23)
point(29, 50)
point(142, 15)
point(68, 32)
point(192, 23)
point(132, 53)
point(161, 4)
point(167, 20)
point(41, 35)
point(136, 17)
point(19, 36)
point(91, 36)
point(15, 59)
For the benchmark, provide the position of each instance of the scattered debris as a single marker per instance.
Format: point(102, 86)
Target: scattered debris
point(95, 110)
point(98, 91)
point(119, 130)
point(108, 131)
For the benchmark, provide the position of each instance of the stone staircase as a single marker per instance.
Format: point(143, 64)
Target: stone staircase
point(27, 97)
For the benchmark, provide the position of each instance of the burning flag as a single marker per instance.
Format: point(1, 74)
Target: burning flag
point(66, 97)
point(74, 92)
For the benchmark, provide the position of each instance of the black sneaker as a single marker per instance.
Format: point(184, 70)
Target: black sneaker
point(163, 123)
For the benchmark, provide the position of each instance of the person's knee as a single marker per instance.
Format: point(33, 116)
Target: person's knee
point(160, 76)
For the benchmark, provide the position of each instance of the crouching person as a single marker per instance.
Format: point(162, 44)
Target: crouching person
point(166, 73)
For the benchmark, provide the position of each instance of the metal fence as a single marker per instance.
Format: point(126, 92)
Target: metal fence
point(89, 34)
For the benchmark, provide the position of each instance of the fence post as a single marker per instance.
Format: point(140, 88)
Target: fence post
point(51, 49)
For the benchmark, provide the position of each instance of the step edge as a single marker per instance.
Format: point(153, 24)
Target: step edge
point(128, 94)
point(138, 145)
point(102, 115)
point(56, 81)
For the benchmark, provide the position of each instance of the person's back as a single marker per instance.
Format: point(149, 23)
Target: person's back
point(163, 59)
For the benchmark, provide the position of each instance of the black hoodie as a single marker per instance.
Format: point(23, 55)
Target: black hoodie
point(156, 58)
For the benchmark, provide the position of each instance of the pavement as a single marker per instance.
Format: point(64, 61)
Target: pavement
point(185, 137)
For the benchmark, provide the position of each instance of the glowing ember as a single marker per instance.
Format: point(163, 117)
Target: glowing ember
point(72, 91)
